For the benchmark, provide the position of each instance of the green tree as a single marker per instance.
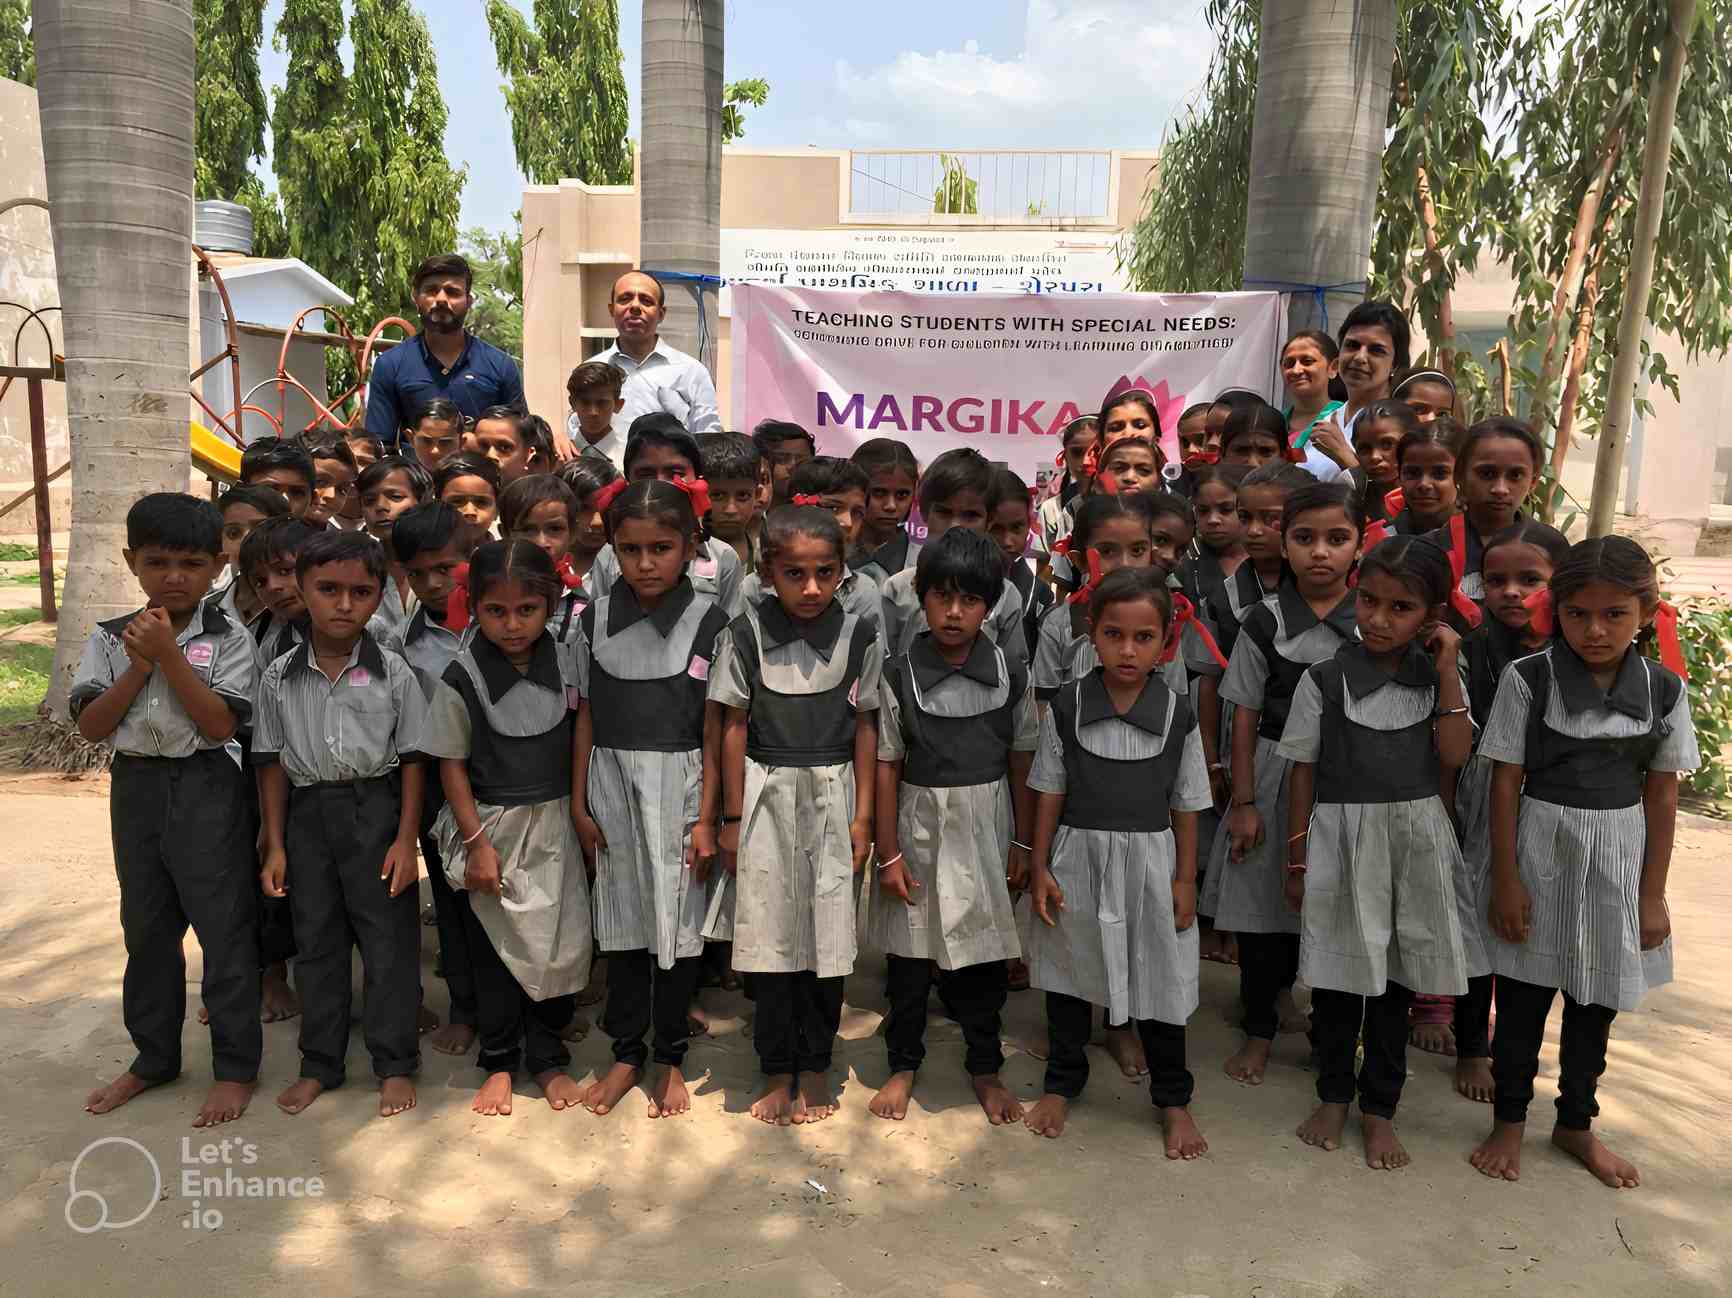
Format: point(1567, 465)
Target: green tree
point(496, 258)
point(17, 50)
point(565, 87)
point(748, 90)
point(232, 112)
point(957, 192)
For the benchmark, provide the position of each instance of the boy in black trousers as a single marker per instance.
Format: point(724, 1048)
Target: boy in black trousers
point(168, 686)
point(336, 731)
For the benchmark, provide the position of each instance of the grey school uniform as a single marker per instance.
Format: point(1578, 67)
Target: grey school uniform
point(858, 594)
point(274, 636)
point(428, 647)
point(644, 676)
point(1582, 830)
point(715, 572)
point(512, 729)
point(883, 563)
point(1278, 640)
point(904, 618)
point(953, 729)
point(393, 611)
point(790, 905)
point(1063, 654)
point(1115, 943)
point(1380, 894)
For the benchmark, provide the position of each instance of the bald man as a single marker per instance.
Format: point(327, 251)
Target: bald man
point(657, 377)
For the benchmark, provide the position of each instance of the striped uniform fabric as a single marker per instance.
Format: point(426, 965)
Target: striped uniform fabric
point(1063, 654)
point(1582, 867)
point(273, 637)
point(715, 572)
point(355, 728)
point(857, 592)
point(1115, 943)
point(428, 647)
point(1381, 892)
point(887, 560)
point(393, 613)
point(904, 618)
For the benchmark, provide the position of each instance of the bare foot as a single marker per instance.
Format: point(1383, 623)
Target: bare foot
point(697, 1019)
point(425, 1020)
point(1126, 1048)
point(494, 1098)
point(1230, 949)
point(224, 1102)
point(203, 1016)
point(395, 1095)
point(813, 1101)
point(1619, 1173)
point(1499, 1155)
point(1250, 1062)
point(1046, 1118)
point(776, 1105)
point(1473, 1079)
point(1323, 1128)
point(300, 1095)
point(1184, 1139)
point(561, 1090)
point(105, 1099)
point(577, 1029)
point(606, 1092)
point(1001, 1107)
point(892, 1099)
point(277, 1000)
point(1433, 1038)
point(1382, 1149)
point(668, 1098)
point(1212, 945)
point(453, 1039)
point(1291, 1017)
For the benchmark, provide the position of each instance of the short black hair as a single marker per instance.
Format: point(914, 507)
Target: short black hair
point(531, 431)
point(1133, 585)
point(586, 475)
point(886, 455)
point(331, 448)
point(273, 539)
point(420, 481)
point(276, 453)
point(530, 491)
point(442, 264)
point(256, 495)
point(1006, 487)
point(773, 432)
point(173, 520)
point(952, 473)
point(961, 560)
point(783, 523)
point(1388, 317)
point(432, 527)
point(659, 428)
point(730, 457)
point(328, 545)
point(594, 375)
point(352, 435)
point(466, 464)
point(441, 409)
point(827, 475)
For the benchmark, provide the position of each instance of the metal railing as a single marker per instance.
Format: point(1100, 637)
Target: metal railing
point(988, 186)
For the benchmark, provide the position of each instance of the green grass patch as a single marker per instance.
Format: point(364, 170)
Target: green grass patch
point(33, 578)
point(24, 673)
point(19, 616)
point(16, 552)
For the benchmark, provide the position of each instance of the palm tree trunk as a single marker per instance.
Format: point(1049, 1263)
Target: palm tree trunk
point(681, 172)
point(116, 91)
point(1323, 79)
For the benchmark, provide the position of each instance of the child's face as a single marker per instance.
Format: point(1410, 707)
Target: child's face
point(954, 617)
point(653, 460)
point(384, 501)
point(513, 617)
point(548, 527)
point(1260, 521)
point(652, 557)
point(173, 580)
point(1121, 542)
point(588, 530)
point(1429, 399)
point(497, 440)
point(805, 574)
point(238, 523)
point(1193, 436)
point(1367, 360)
point(784, 458)
point(432, 574)
point(1008, 530)
point(473, 498)
point(1217, 509)
point(333, 487)
point(849, 507)
point(340, 597)
point(434, 440)
point(1599, 621)
point(278, 591)
point(1389, 613)
point(1428, 481)
point(1306, 371)
point(1374, 442)
point(889, 499)
point(1320, 547)
point(733, 506)
point(1511, 573)
point(1132, 466)
point(595, 409)
point(1214, 424)
point(1494, 479)
point(965, 509)
point(1169, 538)
point(293, 485)
point(1076, 449)
point(1128, 637)
point(362, 449)
point(1253, 449)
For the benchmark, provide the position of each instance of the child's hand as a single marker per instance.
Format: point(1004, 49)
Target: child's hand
point(728, 847)
point(481, 868)
point(1443, 643)
point(399, 869)
point(1244, 830)
point(1184, 904)
point(1016, 869)
point(274, 873)
point(1655, 919)
point(149, 635)
point(589, 836)
point(701, 854)
point(1512, 911)
point(1048, 897)
point(896, 881)
point(860, 839)
point(1293, 887)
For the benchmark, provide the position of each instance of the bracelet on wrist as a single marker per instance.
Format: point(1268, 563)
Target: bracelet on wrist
point(885, 865)
point(730, 820)
point(1294, 838)
point(479, 831)
point(1024, 846)
point(1452, 712)
point(1244, 802)
point(1296, 867)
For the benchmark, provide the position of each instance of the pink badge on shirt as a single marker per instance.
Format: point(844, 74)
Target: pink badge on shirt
point(699, 669)
point(360, 676)
point(199, 653)
point(705, 567)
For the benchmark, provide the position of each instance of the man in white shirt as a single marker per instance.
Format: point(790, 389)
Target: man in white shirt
point(658, 377)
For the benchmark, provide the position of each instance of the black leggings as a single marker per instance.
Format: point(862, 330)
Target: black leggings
point(798, 1016)
point(1336, 1022)
point(1267, 963)
point(974, 995)
point(1473, 1020)
point(643, 997)
point(1069, 1022)
point(1515, 1053)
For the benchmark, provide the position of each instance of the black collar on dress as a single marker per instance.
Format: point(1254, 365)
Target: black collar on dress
point(499, 675)
point(930, 667)
point(892, 556)
point(365, 654)
point(207, 618)
point(1149, 713)
point(779, 629)
point(1629, 692)
point(1365, 677)
point(1297, 617)
point(623, 610)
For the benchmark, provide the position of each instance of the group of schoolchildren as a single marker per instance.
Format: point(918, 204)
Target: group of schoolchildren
point(1317, 699)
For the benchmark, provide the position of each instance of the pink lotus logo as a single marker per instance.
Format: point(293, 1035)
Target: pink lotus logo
point(1168, 405)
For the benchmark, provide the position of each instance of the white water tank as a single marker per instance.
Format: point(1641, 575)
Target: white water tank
point(219, 226)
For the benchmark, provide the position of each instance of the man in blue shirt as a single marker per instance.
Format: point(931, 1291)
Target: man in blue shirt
point(442, 360)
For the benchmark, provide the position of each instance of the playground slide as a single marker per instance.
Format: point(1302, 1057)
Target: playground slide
point(215, 456)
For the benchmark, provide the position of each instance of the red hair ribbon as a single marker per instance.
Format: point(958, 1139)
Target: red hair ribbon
point(1294, 454)
point(608, 494)
point(1085, 592)
point(1184, 612)
point(1375, 534)
point(566, 573)
point(807, 500)
point(1458, 546)
point(1541, 620)
point(1465, 608)
point(1062, 546)
point(1666, 632)
point(1201, 459)
point(457, 602)
point(1058, 460)
point(697, 491)
point(1394, 501)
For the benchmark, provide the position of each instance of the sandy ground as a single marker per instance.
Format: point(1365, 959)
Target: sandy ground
point(440, 1201)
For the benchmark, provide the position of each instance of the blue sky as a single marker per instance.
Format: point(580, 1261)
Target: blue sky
point(892, 74)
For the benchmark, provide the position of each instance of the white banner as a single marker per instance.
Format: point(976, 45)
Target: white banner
point(1001, 372)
